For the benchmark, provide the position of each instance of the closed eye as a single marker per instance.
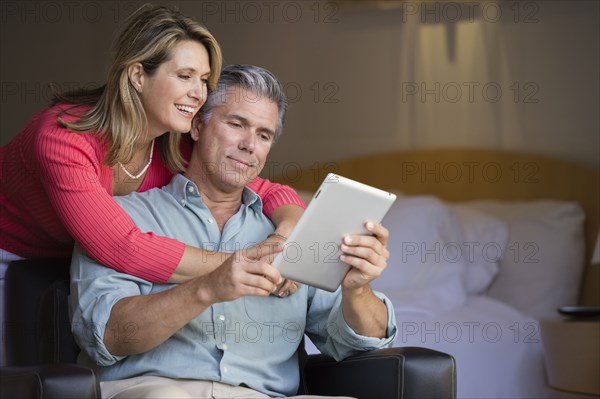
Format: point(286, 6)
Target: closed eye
point(266, 137)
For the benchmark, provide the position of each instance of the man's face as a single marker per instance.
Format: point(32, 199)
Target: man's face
point(233, 145)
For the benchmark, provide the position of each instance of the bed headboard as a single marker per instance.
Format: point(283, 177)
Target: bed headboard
point(469, 174)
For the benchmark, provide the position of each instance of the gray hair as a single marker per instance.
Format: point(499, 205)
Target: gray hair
point(257, 80)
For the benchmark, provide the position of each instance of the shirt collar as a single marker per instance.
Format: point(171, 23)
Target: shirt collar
point(184, 190)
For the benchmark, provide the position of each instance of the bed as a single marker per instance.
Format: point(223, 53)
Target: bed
point(484, 244)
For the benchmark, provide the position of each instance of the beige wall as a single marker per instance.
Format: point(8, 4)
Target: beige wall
point(362, 79)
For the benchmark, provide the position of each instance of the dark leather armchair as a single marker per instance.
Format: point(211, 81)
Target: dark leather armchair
point(41, 352)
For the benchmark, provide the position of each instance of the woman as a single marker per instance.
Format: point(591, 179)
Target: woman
point(59, 174)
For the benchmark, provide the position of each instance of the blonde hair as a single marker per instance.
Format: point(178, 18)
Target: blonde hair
point(117, 114)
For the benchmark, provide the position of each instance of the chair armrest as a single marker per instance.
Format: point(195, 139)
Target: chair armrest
point(55, 381)
point(404, 373)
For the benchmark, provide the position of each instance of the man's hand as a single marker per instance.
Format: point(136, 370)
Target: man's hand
point(367, 254)
point(241, 275)
point(264, 252)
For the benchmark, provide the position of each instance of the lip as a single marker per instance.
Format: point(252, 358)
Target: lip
point(188, 115)
point(241, 162)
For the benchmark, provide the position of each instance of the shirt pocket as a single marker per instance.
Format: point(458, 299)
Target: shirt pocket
point(277, 313)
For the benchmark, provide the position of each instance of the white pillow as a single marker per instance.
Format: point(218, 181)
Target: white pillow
point(542, 265)
point(485, 239)
point(424, 273)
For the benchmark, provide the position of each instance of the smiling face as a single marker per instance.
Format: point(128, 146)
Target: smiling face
point(232, 146)
point(176, 91)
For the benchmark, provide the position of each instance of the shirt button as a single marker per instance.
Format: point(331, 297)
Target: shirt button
point(191, 189)
point(224, 347)
point(222, 318)
point(182, 202)
point(210, 220)
point(224, 369)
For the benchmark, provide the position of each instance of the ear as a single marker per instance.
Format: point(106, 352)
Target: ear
point(135, 72)
point(196, 126)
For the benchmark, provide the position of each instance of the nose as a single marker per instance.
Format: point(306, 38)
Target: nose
point(198, 91)
point(248, 142)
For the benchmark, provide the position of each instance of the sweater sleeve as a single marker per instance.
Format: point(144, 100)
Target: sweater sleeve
point(274, 195)
point(79, 190)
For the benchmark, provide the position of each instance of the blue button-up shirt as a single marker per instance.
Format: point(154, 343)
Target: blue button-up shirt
point(252, 340)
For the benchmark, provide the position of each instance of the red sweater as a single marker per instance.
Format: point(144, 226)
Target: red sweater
point(55, 189)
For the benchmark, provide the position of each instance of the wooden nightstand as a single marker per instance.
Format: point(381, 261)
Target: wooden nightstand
point(572, 357)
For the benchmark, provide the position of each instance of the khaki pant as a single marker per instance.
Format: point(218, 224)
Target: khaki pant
point(151, 387)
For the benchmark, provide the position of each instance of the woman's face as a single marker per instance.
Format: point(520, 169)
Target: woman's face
point(174, 94)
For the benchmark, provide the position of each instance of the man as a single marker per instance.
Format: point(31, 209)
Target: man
point(222, 334)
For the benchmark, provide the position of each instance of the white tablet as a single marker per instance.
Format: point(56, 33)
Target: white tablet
point(340, 207)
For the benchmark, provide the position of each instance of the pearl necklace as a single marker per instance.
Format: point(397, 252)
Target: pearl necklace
point(145, 167)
